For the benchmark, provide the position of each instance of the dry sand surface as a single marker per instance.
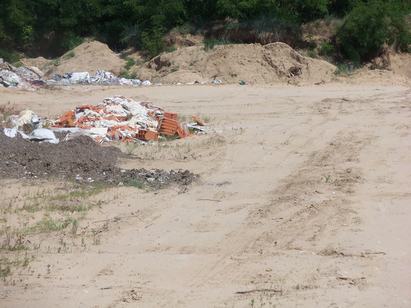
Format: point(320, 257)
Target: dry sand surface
point(302, 201)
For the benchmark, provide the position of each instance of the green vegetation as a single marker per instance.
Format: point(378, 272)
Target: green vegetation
point(135, 183)
point(170, 49)
point(312, 54)
point(126, 74)
point(130, 62)
point(371, 25)
point(326, 49)
point(368, 25)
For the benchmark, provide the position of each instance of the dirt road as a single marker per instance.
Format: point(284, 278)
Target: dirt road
point(302, 201)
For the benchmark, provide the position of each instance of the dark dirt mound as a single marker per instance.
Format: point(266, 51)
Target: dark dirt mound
point(80, 158)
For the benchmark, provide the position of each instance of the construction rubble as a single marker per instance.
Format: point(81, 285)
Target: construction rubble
point(116, 118)
point(29, 77)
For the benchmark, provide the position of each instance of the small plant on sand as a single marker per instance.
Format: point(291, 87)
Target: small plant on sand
point(135, 183)
point(312, 54)
point(130, 62)
point(56, 61)
point(171, 49)
point(327, 178)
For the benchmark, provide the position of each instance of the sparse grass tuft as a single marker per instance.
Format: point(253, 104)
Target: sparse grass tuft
point(135, 183)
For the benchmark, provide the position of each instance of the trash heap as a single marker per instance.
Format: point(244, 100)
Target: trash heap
point(119, 118)
point(101, 77)
point(104, 77)
point(28, 77)
point(22, 77)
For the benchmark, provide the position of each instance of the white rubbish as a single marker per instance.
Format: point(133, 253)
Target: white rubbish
point(43, 134)
point(76, 77)
point(10, 132)
point(25, 117)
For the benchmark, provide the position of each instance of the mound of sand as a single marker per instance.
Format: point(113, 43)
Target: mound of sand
point(253, 63)
point(87, 57)
point(272, 63)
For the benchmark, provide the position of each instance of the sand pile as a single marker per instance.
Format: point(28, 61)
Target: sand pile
point(252, 63)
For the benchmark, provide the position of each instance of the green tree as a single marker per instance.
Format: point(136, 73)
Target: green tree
point(371, 25)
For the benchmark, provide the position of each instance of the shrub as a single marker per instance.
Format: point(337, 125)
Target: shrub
point(209, 43)
point(153, 43)
point(312, 54)
point(127, 75)
point(326, 49)
point(371, 25)
point(130, 62)
point(343, 69)
point(171, 49)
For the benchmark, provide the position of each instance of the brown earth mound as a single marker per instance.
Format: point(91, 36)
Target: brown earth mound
point(80, 158)
point(253, 63)
point(272, 63)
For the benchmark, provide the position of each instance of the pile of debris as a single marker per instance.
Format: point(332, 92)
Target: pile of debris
point(21, 77)
point(26, 77)
point(123, 119)
point(79, 159)
point(101, 77)
point(116, 118)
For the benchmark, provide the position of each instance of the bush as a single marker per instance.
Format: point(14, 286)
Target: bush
point(153, 43)
point(326, 49)
point(171, 49)
point(344, 70)
point(127, 75)
point(130, 62)
point(209, 43)
point(312, 54)
point(10, 56)
point(371, 25)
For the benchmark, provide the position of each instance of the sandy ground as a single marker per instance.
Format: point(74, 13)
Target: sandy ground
point(303, 201)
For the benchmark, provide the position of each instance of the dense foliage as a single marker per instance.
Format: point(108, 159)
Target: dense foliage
point(51, 27)
point(373, 24)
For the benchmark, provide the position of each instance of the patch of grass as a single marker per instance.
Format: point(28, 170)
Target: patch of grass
point(171, 49)
point(6, 265)
point(181, 118)
point(71, 54)
point(56, 61)
point(14, 242)
point(343, 70)
point(327, 178)
point(6, 110)
point(130, 148)
point(18, 64)
point(168, 137)
point(48, 224)
point(130, 62)
point(184, 29)
point(135, 183)
point(312, 54)
point(32, 208)
point(127, 75)
point(326, 49)
point(175, 69)
point(210, 43)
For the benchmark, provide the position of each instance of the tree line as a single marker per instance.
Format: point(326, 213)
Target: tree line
point(52, 27)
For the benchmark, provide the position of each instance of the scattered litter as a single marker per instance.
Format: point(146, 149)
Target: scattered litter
point(244, 83)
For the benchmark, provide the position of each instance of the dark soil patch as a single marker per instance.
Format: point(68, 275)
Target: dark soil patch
point(81, 159)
